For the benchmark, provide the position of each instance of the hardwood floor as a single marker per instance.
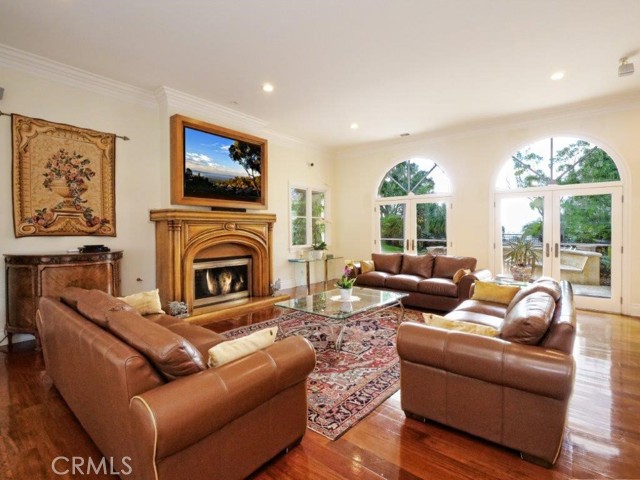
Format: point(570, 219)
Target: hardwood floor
point(602, 438)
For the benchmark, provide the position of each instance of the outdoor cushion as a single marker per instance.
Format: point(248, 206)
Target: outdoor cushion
point(407, 283)
point(387, 262)
point(438, 286)
point(421, 265)
point(446, 266)
point(372, 279)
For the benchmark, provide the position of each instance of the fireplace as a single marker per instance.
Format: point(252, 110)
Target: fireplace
point(221, 280)
point(187, 241)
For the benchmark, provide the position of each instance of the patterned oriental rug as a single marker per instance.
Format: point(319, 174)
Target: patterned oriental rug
point(349, 384)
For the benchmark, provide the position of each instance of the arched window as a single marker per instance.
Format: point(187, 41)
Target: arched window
point(411, 208)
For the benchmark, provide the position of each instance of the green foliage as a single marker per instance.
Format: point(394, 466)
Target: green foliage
point(249, 156)
point(521, 251)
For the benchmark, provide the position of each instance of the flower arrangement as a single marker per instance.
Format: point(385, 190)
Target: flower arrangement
point(347, 279)
point(71, 168)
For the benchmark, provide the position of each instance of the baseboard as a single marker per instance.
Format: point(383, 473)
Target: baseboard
point(634, 310)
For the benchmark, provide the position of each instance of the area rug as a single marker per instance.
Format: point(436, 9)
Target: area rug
point(349, 384)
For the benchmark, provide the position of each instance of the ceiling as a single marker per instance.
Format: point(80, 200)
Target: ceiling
point(393, 67)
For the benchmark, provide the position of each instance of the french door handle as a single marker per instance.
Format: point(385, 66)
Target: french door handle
point(407, 244)
point(413, 244)
point(556, 249)
point(547, 250)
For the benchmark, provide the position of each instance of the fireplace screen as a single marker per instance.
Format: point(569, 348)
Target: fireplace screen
point(223, 280)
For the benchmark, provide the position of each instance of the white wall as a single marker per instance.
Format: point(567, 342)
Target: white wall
point(142, 165)
point(472, 160)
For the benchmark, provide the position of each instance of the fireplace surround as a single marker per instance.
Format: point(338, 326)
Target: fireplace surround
point(185, 239)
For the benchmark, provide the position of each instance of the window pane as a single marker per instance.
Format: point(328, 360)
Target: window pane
point(431, 227)
point(298, 202)
point(392, 233)
point(558, 161)
point(299, 231)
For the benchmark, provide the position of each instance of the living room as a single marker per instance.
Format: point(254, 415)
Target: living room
point(91, 80)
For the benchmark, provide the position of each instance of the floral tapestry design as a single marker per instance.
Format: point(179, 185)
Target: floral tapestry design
point(63, 179)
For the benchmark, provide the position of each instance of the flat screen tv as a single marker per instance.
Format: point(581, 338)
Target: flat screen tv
point(216, 167)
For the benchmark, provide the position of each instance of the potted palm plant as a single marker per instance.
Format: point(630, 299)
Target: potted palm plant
point(521, 256)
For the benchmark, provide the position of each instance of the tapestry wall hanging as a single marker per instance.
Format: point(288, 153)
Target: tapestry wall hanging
point(63, 179)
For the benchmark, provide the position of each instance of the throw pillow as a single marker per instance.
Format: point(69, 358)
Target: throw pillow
point(458, 325)
point(228, 351)
point(367, 266)
point(529, 319)
point(459, 274)
point(493, 292)
point(145, 303)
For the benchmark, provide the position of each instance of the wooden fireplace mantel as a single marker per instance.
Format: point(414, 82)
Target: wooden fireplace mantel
point(186, 236)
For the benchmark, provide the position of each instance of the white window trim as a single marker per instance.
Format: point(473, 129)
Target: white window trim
point(327, 215)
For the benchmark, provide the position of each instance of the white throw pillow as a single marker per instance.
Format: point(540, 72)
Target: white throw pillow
point(145, 303)
point(230, 350)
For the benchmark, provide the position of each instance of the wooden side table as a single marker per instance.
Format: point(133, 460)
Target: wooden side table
point(31, 276)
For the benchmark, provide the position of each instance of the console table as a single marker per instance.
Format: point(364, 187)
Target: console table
point(31, 276)
point(307, 261)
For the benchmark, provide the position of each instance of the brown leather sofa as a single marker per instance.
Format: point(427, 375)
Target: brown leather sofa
point(140, 388)
point(428, 279)
point(511, 393)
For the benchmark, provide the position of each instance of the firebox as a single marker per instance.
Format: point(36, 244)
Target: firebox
point(221, 280)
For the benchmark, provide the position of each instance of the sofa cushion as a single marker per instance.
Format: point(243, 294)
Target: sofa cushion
point(421, 265)
point(406, 283)
point(169, 352)
point(231, 350)
point(494, 292)
point(387, 262)
point(93, 304)
point(458, 325)
point(475, 317)
point(487, 308)
point(445, 266)
point(549, 286)
point(372, 279)
point(201, 338)
point(443, 287)
point(529, 319)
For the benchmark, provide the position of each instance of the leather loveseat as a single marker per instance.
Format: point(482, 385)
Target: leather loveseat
point(140, 388)
point(428, 279)
point(512, 389)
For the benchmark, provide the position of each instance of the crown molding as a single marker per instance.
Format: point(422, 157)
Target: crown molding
point(75, 77)
point(591, 108)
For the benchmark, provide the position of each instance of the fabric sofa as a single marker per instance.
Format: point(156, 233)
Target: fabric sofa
point(428, 279)
point(512, 389)
point(140, 387)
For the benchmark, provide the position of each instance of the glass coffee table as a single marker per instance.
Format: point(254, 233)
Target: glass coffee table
point(329, 305)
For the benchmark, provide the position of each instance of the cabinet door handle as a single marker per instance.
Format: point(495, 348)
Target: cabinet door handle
point(556, 249)
point(547, 250)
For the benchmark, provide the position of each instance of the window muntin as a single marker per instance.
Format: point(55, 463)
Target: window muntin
point(308, 221)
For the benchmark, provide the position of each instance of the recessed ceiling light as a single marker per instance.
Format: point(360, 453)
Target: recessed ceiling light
point(557, 75)
point(354, 126)
point(267, 87)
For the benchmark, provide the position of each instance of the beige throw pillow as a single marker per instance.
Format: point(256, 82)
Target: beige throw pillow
point(459, 274)
point(458, 325)
point(145, 303)
point(367, 266)
point(230, 350)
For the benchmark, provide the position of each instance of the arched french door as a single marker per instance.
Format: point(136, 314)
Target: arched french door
point(411, 209)
point(564, 197)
